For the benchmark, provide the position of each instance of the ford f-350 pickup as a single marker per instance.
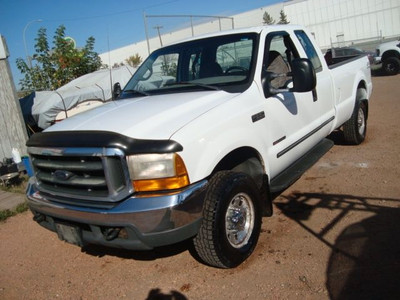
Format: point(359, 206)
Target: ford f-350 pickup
point(197, 141)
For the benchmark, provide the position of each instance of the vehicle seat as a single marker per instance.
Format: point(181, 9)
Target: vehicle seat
point(211, 69)
point(276, 64)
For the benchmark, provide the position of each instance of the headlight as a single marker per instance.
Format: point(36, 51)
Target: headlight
point(155, 172)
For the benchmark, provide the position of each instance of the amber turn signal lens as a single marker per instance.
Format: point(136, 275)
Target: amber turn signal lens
point(180, 180)
point(160, 184)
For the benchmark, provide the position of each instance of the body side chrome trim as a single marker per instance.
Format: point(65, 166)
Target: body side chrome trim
point(290, 147)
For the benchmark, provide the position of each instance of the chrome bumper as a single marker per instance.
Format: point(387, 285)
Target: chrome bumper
point(145, 222)
point(377, 60)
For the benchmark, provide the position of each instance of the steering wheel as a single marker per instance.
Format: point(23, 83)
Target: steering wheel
point(237, 68)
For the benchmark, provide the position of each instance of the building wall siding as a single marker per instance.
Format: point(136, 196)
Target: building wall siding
point(12, 126)
point(333, 23)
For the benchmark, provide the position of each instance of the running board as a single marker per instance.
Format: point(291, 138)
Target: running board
point(287, 177)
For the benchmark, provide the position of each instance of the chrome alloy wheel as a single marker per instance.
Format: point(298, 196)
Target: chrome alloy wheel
point(361, 121)
point(239, 220)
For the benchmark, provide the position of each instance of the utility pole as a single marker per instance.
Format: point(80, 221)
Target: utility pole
point(158, 27)
point(28, 58)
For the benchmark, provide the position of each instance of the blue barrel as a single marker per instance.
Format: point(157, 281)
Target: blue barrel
point(27, 163)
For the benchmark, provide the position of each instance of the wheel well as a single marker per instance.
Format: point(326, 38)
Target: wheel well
point(390, 53)
point(246, 160)
point(249, 161)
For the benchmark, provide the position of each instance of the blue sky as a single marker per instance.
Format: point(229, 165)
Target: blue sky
point(117, 23)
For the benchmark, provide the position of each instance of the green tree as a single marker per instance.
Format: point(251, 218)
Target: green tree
point(59, 65)
point(134, 60)
point(90, 60)
point(267, 19)
point(283, 18)
point(34, 77)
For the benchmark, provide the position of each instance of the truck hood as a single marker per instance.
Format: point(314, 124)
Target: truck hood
point(390, 44)
point(151, 117)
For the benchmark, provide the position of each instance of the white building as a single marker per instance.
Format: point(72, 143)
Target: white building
point(343, 22)
point(332, 22)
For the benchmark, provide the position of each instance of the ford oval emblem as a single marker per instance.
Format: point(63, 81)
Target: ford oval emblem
point(62, 174)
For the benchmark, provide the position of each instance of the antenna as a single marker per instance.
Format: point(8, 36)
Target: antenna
point(146, 31)
point(109, 65)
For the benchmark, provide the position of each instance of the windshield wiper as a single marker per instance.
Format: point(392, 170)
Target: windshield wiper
point(196, 84)
point(143, 93)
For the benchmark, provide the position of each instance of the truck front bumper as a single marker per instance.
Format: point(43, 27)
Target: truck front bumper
point(377, 60)
point(140, 222)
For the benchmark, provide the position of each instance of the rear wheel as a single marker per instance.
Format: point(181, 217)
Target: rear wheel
point(355, 129)
point(231, 220)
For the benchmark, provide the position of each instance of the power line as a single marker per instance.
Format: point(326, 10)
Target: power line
point(112, 14)
point(145, 17)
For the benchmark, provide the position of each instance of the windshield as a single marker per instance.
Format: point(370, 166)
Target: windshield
point(224, 62)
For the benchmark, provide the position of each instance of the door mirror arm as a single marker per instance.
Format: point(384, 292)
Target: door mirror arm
point(116, 91)
point(271, 76)
point(266, 81)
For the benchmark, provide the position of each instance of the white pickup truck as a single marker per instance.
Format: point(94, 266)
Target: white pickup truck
point(389, 55)
point(198, 140)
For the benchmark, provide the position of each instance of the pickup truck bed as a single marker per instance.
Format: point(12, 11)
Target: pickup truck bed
point(345, 80)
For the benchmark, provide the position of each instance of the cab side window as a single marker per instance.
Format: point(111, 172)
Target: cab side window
point(278, 55)
point(309, 49)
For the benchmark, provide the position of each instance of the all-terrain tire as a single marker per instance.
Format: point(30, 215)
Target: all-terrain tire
point(231, 220)
point(355, 129)
point(391, 65)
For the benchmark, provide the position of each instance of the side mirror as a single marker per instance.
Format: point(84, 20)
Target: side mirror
point(303, 75)
point(116, 90)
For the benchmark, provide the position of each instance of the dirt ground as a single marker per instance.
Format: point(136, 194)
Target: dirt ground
point(335, 234)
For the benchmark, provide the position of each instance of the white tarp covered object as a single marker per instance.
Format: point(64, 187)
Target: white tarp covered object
point(94, 86)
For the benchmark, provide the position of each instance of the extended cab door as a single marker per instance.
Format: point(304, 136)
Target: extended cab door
point(323, 107)
point(295, 121)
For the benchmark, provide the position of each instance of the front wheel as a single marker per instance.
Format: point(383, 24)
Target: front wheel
point(355, 129)
point(231, 220)
point(391, 65)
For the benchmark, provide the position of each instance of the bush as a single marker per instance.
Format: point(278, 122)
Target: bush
point(5, 214)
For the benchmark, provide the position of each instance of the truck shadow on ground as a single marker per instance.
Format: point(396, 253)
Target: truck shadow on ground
point(337, 137)
point(378, 71)
point(365, 257)
point(156, 294)
point(145, 255)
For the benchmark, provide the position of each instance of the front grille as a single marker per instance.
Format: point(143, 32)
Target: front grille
point(82, 177)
